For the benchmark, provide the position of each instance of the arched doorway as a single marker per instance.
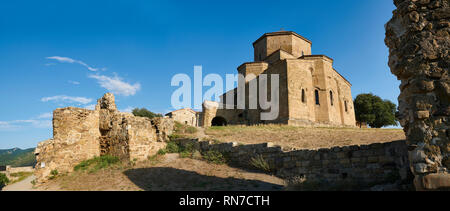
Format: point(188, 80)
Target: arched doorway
point(219, 121)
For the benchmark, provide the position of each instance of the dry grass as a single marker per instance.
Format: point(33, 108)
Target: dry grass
point(303, 138)
point(167, 173)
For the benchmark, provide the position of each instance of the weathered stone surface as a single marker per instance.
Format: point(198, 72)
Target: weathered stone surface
point(184, 116)
point(367, 168)
point(419, 43)
point(432, 182)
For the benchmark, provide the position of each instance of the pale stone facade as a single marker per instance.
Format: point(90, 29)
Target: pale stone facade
point(185, 116)
point(81, 134)
point(311, 92)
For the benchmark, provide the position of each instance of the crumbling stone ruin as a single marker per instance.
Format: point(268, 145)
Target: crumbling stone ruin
point(81, 134)
point(379, 166)
point(419, 42)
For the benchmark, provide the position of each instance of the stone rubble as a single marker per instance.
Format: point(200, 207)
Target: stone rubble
point(81, 134)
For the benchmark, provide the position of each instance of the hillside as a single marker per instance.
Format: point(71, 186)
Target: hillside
point(17, 157)
point(179, 169)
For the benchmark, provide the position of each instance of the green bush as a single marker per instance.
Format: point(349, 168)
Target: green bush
point(215, 157)
point(143, 112)
point(53, 174)
point(172, 147)
point(178, 127)
point(97, 163)
point(187, 151)
point(3, 180)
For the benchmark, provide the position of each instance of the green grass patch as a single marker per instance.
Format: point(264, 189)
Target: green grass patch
point(180, 128)
point(97, 163)
point(260, 163)
point(3, 180)
point(172, 147)
point(191, 130)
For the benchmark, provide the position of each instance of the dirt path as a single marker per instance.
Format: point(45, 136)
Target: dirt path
point(24, 185)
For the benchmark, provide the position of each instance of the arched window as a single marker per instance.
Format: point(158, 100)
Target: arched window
point(317, 97)
point(303, 96)
point(331, 98)
point(345, 105)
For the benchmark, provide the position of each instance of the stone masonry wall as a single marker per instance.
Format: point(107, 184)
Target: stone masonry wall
point(81, 134)
point(419, 43)
point(365, 165)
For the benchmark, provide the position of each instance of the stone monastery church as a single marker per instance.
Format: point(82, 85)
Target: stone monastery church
point(311, 91)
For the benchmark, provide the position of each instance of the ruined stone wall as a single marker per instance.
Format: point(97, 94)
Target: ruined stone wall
point(128, 137)
point(75, 138)
point(365, 165)
point(419, 43)
point(12, 170)
point(164, 128)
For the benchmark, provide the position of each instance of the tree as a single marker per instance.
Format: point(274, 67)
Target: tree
point(377, 113)
point(143, 112)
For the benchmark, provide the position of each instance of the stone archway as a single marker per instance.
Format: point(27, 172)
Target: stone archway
point(219, 121)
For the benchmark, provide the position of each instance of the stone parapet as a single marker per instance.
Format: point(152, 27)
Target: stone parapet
point(365, 165)
point(82, 134)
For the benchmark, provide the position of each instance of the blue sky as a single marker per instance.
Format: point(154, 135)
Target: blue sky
point(69, 53)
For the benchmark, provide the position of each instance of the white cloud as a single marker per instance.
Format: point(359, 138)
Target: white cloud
point(90, 107)
point(33, 122)
point(72, 61)
point(116, 85)
point(67, 99)
point(128, 109)
point(45, 116)
point(74, 82)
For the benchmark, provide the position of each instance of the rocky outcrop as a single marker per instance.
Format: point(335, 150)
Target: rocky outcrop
point(419, 42)
point(81, 134)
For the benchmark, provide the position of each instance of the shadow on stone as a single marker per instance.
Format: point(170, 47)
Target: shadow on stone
point(170, 179)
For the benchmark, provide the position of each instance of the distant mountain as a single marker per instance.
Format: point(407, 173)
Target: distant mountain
point(17, 157)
